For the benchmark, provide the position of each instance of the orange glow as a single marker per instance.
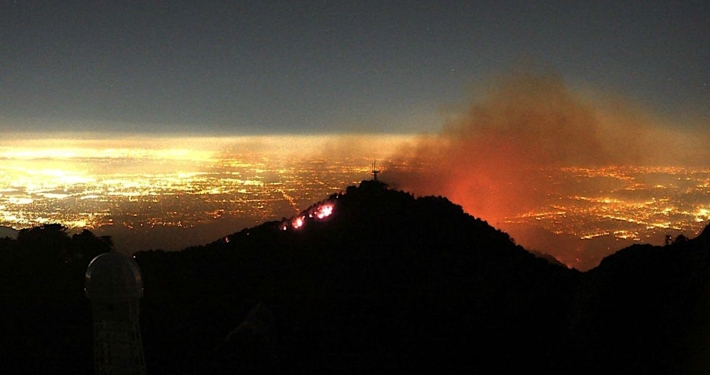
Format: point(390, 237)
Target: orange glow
point(185, 182)
point(19, 146)
point(297, 222)
point(324, 211)
point(320, 212)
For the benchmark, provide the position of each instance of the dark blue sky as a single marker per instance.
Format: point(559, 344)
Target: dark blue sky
point(246, 67)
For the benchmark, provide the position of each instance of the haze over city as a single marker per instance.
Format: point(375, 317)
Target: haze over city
point(535, 117)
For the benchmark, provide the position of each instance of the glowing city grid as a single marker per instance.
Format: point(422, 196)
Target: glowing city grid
point(144, 188)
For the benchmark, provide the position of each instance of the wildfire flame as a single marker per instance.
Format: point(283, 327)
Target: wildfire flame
point(324, 211)
point(297, 222)
point(320, 212)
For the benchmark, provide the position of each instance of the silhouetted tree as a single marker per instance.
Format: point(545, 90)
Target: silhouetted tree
point(45, 246)
point(46, 319)
point(680, 239)
point(86, 246)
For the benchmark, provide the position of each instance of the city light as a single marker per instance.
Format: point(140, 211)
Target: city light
point(185, 189)
point(97, 184)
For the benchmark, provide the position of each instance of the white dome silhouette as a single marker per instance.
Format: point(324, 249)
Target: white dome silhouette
point(112, 278)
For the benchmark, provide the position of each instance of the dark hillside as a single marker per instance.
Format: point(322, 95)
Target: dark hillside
point(387, 282)
point(368, 281)
point(644, 310)
point(45, 320)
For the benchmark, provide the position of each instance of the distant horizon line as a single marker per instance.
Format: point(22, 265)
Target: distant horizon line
point(102, 135)
point(181, 146)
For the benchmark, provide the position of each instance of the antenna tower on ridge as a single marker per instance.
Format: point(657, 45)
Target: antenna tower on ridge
point(375, 171)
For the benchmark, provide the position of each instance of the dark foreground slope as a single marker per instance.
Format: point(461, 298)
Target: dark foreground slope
point(387, 283)
point(644, 310)
point(45, 320)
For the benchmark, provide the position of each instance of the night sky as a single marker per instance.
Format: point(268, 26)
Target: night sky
point(284, 67)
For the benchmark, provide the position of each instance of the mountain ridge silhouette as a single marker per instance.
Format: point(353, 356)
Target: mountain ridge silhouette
point(370, 280)
point(389, 282)
point(408, 281)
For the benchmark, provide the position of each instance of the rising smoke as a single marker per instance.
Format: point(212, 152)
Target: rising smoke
point(496, 156)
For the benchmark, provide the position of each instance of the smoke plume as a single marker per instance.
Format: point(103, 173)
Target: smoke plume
point(496, 156)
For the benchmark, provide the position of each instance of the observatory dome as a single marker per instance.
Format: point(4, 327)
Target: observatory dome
point(113, 277)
